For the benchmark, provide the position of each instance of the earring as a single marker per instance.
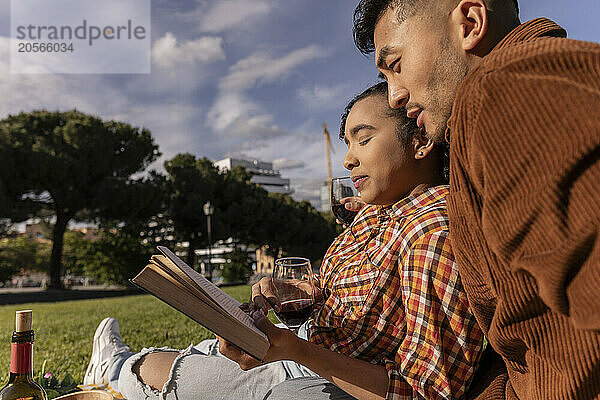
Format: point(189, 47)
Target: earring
point(421, 153)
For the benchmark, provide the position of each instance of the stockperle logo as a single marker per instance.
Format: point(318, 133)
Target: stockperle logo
point(80, 36)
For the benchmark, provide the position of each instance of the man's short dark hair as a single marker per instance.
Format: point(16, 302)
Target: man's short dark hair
point(368, 12)
point(406, 128)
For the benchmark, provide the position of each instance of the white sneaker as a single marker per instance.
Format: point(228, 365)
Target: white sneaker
point(107, 343)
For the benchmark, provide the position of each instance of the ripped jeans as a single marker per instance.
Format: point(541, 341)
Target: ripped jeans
point(201, 372)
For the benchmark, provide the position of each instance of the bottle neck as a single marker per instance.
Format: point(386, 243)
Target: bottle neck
point(21, 354)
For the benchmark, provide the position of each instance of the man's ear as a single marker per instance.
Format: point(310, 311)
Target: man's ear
point(471, 18)
point(422, 145)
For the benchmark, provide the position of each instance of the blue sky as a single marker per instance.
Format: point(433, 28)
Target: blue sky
point(252, 78)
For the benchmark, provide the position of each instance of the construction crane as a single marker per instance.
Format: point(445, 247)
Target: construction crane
point(328, 150)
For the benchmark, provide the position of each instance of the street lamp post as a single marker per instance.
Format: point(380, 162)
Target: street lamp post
point(208, 211)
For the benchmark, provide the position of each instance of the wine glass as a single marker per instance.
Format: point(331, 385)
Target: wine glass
point(342, 188)
point(294, 287)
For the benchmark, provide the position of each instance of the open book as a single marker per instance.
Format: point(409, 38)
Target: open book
point(177, 284)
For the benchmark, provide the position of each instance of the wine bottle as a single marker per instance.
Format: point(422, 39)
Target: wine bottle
point(21, 385)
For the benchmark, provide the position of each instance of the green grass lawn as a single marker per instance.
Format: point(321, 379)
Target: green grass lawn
point(64, 330)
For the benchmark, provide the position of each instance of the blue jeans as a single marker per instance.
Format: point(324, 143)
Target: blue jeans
point(201, 372)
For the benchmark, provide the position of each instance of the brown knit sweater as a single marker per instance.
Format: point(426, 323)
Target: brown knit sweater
point(525, 211)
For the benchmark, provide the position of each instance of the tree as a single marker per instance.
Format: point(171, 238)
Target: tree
point(243, 208)
point(21, 253)
point(76, 165)
point(237, 266)
point(12, 184)
point(192, 182)
point(115, 257)
point(5, 226)
point(237, 203)
point(296, 228)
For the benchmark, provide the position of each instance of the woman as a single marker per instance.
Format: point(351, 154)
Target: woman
point(393, 322)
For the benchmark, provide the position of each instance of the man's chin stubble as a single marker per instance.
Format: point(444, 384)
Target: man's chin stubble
point(446, 77)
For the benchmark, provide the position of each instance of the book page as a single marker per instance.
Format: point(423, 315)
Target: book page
point(172, 269)
point(225, 301)
point(167, 288)
point(164, 266)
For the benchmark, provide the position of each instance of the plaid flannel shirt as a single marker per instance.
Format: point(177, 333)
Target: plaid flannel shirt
point(392, 296)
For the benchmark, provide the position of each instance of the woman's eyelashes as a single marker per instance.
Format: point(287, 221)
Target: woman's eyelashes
point(395, 66)
point(364, 141)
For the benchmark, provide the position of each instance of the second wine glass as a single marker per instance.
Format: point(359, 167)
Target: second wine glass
point(294, 287)
point(342, 188)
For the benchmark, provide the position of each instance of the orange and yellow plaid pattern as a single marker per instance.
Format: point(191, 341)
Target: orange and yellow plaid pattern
point(393, 296)
point(103, 387)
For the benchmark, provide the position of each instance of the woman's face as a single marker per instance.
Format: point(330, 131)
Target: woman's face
point(380, 164)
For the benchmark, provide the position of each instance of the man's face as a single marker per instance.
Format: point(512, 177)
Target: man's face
point(422, 67)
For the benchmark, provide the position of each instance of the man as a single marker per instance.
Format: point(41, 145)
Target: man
point(520, 107)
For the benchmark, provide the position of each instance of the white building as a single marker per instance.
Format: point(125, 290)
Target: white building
point(262, 172)
point(324, 196)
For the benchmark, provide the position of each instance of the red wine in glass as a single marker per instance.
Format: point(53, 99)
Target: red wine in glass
point(294, 288)
point(294, 312)
point(343, 214)
point(342, 188)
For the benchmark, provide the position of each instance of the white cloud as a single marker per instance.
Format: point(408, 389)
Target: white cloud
point(261, 68)
point(228, 108)
point(225, 15)
point(26, 92)
point(234, 112)
point(294, 147)
point(173, 120)
point(257, 126)
point(241, 149)
point(172, 123)
point(284, 163)
point(4, 8)
point(167, 53)
point(322, 97)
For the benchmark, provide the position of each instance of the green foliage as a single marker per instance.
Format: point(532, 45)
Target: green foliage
point(21, 253)
point(72, 163)
point(296, 228)
point(78, 158)
point(53, 386)
point(5, 224)
point(7, 270)
point(331, 220)
point(191, 183)
point(115, 257)
point(237, 267)
point(242, 209)
point(64, 330)
point(12, 181)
